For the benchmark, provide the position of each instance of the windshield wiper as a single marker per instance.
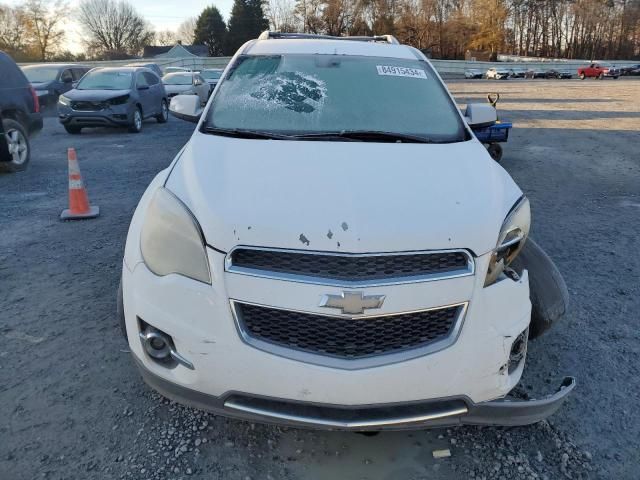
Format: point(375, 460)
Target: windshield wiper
point(367, 135)
point(242, 133)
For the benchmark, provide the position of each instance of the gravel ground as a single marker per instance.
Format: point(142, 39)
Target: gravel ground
point(72, 405)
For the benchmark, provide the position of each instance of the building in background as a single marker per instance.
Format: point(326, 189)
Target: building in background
point(177, 51)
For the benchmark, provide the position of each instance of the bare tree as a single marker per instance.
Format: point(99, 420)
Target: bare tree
point(187, 30)
point(165, 38)
point(282, 16)
point(45, 25)
point(113, 29)
point(13, 29)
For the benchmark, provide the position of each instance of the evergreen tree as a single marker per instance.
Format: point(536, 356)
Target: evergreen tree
point(247, 21)
point(211, 31)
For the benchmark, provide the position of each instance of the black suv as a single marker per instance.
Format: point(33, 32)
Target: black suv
point(20, 116)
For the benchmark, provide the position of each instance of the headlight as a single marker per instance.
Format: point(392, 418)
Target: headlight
point(513, 235)
point(171, 240)
point(121, 100)
point(64, 100)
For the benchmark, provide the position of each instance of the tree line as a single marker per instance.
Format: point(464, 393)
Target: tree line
point(111, 29)
point(586, 29)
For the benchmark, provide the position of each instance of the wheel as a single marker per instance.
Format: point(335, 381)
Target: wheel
point(616, 77)
point(73, 130)
point(136, 121)
point(495, 150)
point(601, 76)
point(163, 116)
point(582, 76)
point(18, 146)
point(120, 312)
point(547, 289)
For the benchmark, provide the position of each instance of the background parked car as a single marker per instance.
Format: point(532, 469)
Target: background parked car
point(186, 83)
point(154, 67)
point(596, 70)
point(175, 70)
point(19, 115)
point(535, 73)
point(473, 73)
point(630, 70)
point(112, 97)
point(498, 73)
point(212, 76)
point(517, 72)
point(561, 74)
point(51, 80)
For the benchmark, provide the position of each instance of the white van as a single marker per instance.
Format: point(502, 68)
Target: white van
point(333, 248)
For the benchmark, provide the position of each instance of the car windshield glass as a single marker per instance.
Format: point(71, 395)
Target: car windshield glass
point(210, 75)
point(316, 94)
point(102, 80)
point(177, 79)
point(40, 74)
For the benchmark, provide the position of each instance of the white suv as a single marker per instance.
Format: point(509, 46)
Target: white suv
point(331, 249)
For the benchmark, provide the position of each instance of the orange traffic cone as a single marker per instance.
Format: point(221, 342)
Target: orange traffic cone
point(79, 207)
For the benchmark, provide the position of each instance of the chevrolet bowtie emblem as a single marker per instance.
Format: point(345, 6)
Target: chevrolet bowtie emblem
point(352, 302)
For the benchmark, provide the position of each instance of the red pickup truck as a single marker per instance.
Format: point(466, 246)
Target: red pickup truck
point(598, 71)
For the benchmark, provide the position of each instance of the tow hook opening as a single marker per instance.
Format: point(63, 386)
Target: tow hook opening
point(160, 348)
point(518, 351)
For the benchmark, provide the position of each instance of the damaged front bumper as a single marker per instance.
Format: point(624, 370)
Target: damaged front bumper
point(398, 416)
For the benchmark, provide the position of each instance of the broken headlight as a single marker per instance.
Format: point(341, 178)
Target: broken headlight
point(513, 235)
point(171, 240)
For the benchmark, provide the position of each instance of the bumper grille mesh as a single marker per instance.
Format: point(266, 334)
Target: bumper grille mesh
point(351, 267)
point(347, 338)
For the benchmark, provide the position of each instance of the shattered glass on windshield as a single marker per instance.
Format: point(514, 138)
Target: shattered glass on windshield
point(294, 90)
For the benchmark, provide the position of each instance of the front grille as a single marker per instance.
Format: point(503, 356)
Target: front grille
point(85, 106)
point(346, 338)
point(350, 268)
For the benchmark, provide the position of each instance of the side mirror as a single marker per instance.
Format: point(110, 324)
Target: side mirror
point(186, 107)
point(67, 80)
point(480, 115)
point(197, 83)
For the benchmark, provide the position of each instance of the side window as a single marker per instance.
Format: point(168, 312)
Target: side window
point(141, 80)
point(77, 73)
point(151, 78)
point(66, 76)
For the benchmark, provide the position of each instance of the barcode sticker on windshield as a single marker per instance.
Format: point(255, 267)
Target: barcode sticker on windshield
point(401, 71)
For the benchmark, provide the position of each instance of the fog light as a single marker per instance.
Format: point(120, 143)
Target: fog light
point(159, 346)
point(518, 350)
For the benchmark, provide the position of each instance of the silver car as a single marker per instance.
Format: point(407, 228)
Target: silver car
point(212, 77)
point(186, 83)
point(114, 97)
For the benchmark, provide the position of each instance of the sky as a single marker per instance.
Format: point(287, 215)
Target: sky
point(162, 14)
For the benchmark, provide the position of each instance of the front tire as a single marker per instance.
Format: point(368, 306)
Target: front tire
point(136, 121)
point(547, 289)
point(582, 76)
point(73, 130)
point(18, 144)
point(163, 116)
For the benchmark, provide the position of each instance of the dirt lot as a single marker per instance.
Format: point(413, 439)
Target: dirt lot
point(72, 405)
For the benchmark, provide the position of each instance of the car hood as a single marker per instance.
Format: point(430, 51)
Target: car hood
point(94, 95)
point(41, 85)
point(343, 196)
point(177, 88)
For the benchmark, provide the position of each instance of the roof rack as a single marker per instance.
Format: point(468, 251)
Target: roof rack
point(267, 35)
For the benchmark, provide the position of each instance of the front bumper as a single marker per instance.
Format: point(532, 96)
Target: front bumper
point(398, 416)
point(115, 116)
